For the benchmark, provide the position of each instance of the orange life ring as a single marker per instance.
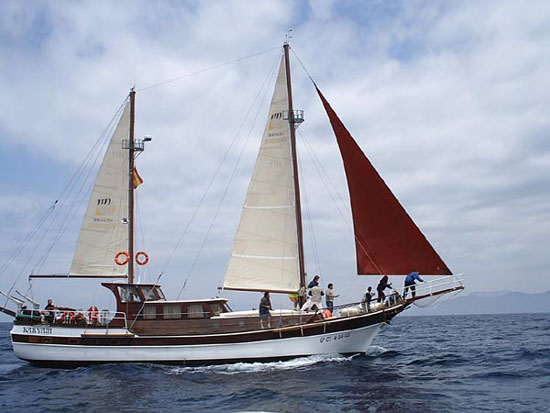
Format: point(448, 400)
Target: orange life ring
point(144, 254)
point(68, 316)
point(126, 258)
point(93, 314)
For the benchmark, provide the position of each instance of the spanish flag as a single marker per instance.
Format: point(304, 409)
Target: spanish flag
point(138, 180)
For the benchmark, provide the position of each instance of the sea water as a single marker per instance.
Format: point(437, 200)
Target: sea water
point(417, 364)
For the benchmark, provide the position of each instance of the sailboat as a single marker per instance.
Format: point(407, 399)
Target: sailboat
point(267, 256)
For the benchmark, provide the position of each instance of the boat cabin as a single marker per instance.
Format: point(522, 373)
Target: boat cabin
point(147, 302)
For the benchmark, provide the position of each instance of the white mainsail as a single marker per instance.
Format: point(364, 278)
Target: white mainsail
point(265, 250)
point(103, 232)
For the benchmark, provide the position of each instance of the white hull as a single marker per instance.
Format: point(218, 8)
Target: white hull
point(344, 342)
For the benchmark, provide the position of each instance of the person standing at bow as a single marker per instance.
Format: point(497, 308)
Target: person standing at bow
point(382, 285)
point(410, 283)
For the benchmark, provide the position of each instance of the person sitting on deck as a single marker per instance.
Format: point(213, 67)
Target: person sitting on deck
point(410, 283)
point(265, 306)
point(382, 285)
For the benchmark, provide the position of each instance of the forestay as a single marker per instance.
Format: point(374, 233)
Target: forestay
point(265, 253)
point(103, 232)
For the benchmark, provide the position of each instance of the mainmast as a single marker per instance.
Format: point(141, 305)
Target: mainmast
point(292, 121)
point(131, 150)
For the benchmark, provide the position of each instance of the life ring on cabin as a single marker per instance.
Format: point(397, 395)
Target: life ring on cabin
point(93, 314)
point(142, 254)
point(68, 317)
point(126, 258)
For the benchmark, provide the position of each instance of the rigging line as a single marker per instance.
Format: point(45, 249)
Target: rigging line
point(207, 69)
point(356, 238)
point(66, 192)
point(342, 214)
point(27, 239)
point(140, 224)
point(312, 153)
point(319, 168)
point(220, 164)
point(84, 175)
point(303, 66)
point(41, 221)
point(338, 207)
point(310, 221)
point(78, 199)
point(270, 75)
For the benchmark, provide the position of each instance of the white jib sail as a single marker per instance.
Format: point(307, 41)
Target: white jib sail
point(265, 249)
point(103, 232)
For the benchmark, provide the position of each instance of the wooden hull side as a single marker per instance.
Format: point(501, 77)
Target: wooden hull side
point(78, 347)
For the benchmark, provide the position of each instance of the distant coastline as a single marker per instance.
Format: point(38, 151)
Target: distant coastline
point(495, 302)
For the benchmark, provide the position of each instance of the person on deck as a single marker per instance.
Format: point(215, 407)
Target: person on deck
point(367, 299)
point(265, 307)
point(330, 296)
point(382, 285)
point(314, 302)
point(410, 283)
point(313, 282)
point(52, 306)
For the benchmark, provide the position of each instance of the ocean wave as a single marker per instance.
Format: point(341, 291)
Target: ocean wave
point(255, 367)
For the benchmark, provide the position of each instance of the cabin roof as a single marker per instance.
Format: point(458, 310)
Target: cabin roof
point(204, 300)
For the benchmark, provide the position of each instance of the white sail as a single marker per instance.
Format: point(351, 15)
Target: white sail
point(103, 232)
point(265, 249)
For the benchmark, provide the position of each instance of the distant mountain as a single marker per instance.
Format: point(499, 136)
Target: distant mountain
point(494, 302)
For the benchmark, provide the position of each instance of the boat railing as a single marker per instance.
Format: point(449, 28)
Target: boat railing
point(104, 318)
point(438, 286)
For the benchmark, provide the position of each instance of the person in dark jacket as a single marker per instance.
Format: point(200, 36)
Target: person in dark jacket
point(382, 285)
point(265, 307)
point(313, 282)
point(410, 283)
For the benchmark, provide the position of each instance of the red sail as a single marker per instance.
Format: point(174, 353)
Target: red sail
point(387, 241)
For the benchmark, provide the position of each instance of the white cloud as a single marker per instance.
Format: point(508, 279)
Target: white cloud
point(449, 101)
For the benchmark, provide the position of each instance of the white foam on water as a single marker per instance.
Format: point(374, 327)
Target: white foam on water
point(375, 350)
point(239, 368)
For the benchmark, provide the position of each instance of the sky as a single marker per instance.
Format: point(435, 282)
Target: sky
point(448, 100)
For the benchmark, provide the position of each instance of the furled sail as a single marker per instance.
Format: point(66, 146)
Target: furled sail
point(265, 253)
point(387, 241)
point(103, 232)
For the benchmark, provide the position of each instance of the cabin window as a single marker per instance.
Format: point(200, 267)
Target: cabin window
point(216, 308)
point(149, 312)
point(128, 294)
point(160, 293)
point(148, 293)
point(195, 311)
point(171, 311)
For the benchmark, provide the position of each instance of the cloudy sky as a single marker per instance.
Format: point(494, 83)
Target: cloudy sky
point(449, 100)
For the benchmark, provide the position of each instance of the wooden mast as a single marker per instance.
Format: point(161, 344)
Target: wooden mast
point(131, 187)
point(295, 171)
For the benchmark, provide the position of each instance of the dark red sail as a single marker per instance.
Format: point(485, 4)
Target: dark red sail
point(387, 241)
